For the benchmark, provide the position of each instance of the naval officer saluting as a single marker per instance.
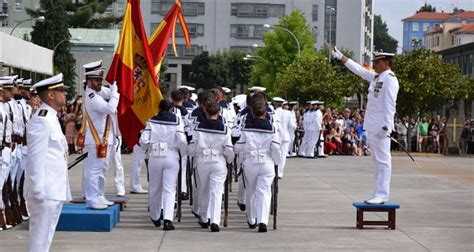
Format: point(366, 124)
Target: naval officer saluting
point(46, 173)
point(381, 104)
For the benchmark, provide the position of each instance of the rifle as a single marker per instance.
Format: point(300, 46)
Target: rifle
point(189, 180)
point(77, 160)
point(13, 197)
point(178, 208)
point(226, 193)
point(275, 198)
point(236, 172)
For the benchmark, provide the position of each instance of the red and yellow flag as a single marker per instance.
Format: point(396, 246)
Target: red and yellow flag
point(167, 27)
point(133, 69)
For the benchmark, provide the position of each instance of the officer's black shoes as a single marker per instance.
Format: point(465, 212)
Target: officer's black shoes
point(157, 223)
point(242, 207)
point(252, 226)
point(168, 225)
point(204, 224)
point(214, 227)
point(184, 196)
point(262, 228)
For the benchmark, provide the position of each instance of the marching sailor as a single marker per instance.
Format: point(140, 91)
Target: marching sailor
point(378, 121)
point(286, 124)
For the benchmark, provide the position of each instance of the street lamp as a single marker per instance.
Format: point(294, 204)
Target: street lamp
point(255, 46)
point(64, 40)
point(331, 10)
point(39, 19)
point(267, 26)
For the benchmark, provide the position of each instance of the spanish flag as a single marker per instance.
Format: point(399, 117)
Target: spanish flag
point(133, 69)
point(167, 27)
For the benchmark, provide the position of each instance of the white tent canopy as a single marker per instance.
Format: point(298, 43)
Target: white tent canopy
point(24, 55)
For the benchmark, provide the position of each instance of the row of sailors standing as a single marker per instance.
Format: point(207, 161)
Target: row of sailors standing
point(313, 130)
point(212, 135)
point(16, 109)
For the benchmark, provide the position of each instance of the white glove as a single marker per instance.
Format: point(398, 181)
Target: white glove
point(336, 54)
point(113, 87)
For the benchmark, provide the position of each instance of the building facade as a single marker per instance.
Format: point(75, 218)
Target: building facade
point(221, 25)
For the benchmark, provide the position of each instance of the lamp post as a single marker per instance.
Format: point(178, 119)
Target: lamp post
point(39, 19)
point(267, 26)
point(62, 41)
point(331, 11)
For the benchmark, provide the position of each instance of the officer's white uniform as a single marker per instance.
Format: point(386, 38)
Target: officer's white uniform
point(96, 168)
point(138, 160)
point(287, 124)
point(164, 137)
point(292, 134)
point(307, 149)
point(6, 131)
point(259, 146)
point(46, 174)
point(318, 125)
point(212, 148)
point(381, 105)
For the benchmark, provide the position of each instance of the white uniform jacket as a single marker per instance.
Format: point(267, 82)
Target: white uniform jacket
point(287, 123)
point(165, 128)
point(212, 138)
point(258, 136)
point(98, 108)
point(382, 98)
point(46, 175)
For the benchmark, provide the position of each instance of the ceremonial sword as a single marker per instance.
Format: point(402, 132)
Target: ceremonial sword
point(77, 160)
point(405, 150)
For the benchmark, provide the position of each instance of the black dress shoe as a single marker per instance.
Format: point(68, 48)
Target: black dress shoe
point(262, 228)
point(204, 224)
point(184, 196)
point(214, 227)
point(242, 207)
point(168, 225)
point(157, 223)
point(252, 226)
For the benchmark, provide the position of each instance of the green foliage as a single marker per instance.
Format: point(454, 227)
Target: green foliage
point(54, 32)
point(382, 40)
point(281, 50)
point(88, 14)
point(221, 69)
point(427, 82)
point(426, 8)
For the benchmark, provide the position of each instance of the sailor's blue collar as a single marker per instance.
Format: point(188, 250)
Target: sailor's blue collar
point(212, 126)
point(165, 117)
point(258, 125)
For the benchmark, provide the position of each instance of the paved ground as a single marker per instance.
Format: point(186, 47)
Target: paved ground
point(316, 213)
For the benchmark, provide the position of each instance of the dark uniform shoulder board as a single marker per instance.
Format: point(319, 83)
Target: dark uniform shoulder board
point(392, 74)
point(43, 112)
point(91, 95)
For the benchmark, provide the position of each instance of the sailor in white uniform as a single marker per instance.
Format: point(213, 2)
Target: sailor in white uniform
point(379, 116)
point(287, 124)
point(46, 174)
point(165, 139)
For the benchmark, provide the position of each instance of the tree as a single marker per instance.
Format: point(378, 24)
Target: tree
point(89, 14)
point(427, 82)
point(382, 40)
point(281, 49)
point(426, 8)
point(239, 69)
point(53, 33)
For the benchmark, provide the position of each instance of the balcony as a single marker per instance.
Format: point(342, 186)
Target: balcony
point(4, 9)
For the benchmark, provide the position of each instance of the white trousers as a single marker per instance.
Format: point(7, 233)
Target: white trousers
point(284, 146)
point(95, 174)
point(137, 162)
point(292, 142)
point(163, 173)
point(184, 184)
point(258, 183)
point(44, 216)
point(380, 149)
point(116, 164)
point(211, 178)
point(304, 144)
point(312, 139)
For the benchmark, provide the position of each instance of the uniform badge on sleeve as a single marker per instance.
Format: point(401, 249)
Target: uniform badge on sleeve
point(43, 112)
point(378, 86)
point(91, 95)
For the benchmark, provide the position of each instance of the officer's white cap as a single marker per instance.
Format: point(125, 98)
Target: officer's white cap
point(278, 99)
point(19, 81)
point(95, 74)
point(257, 88)
point(382, 55)
point(92, 66)
point(293, 102)
point(226, 90)
point(186, 87)
point(55, 82)
point(8, 81)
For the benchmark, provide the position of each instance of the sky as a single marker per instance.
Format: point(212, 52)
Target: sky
point(393, 11)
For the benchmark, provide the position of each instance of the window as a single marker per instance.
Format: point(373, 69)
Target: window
point(425, 27)
point(415, 26)
point(184, 52)
point(315, 12)
point(452, 39)
point(189, 8)
point(120, 6)
point(246, 31)
point(437, 40)
point(257, 10)
point(195, 30)
point(18, 5)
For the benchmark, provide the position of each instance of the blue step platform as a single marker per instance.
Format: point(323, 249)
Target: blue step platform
point(389, 207)
point(77, 217)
